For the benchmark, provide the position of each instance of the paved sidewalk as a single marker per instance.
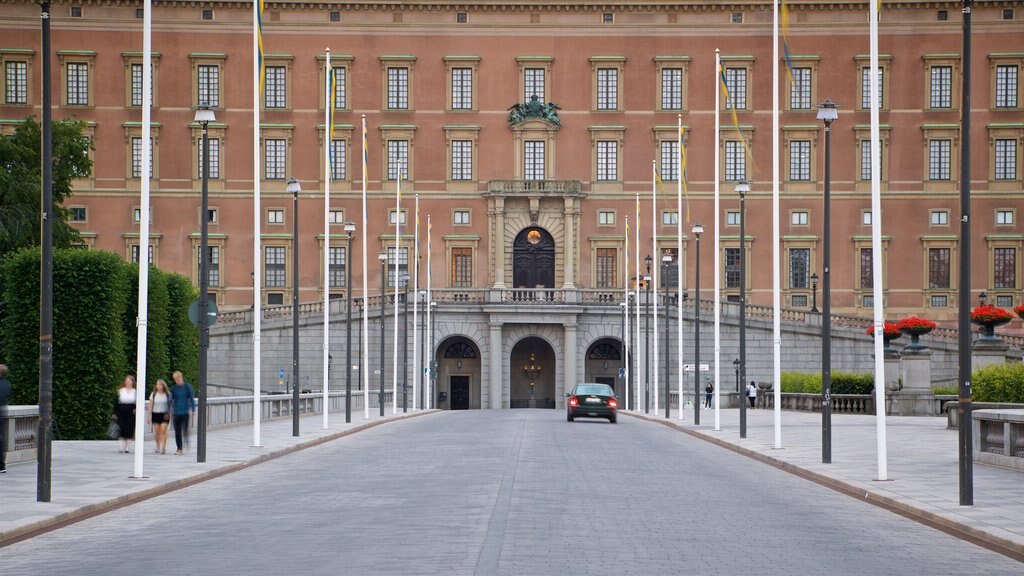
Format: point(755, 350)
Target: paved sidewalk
point(89, 477)
point(923, 470)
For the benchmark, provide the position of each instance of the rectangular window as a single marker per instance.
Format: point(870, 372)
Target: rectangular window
point(398, 88)
point(800, 160)
point(338, 157)
point(735, 161)
point(214, 157)
point(938, 268)
point(1006, 159)
point(941, 87)
point(669, 218)
point(462, 88)
point(799, 267)
point(275, 216)
point(669, 160)
point(208, 76)
point(605, 218)
point(274, 160)
point(533, 82)
point(403, 265)
point(213, 267)
point(1004, 268)
point(396, 217)
point(867, 277)
point(732, 267)
point(865, 88)
point(940, 301)
point(607, 160)
point(137, 85)
point(340, 97)
point(398, 159)
point(865, 159)
point(736, 82)
point(16, 82)
point(534, 158)
point(799, 301)
point(462, 159)
point(137, 157)
point(865, 218)
point(799, 218)
point(1004, 300)
point(78, 83)
point(461, 218)
point(274, 87)
point(606, 272)
point(939, 159)
point(336, 267)
point(135, 254)
point(732, 218)
point(672, 89)
point(273, 267)
point(800, 91)
point(607, 89)
point(336, 217)
point(939, 218)
point(1004, 217)
point(1006, 86)
point(462, 267)
point(78, 214)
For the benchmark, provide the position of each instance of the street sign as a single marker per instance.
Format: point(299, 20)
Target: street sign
point(689, 367)
point(211, 313)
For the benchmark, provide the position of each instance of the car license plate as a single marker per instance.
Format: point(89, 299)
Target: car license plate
point(593, 400)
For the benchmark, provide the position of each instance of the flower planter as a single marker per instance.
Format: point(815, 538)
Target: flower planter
point(988, 317)
point(915, 327)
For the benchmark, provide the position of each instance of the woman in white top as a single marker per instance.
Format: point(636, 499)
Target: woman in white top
point(160, 414)
point(125, 413)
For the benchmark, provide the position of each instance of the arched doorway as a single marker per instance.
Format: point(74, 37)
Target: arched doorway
point(603, 364)
point(459, 373)
point(533, 259)
point(532, 374)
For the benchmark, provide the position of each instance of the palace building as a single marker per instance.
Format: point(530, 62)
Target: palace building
point(527, 130)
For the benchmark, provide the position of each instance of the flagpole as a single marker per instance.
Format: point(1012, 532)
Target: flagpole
point(626, 318)
point(876, 244)
point(718, 241)
point(143, 298)
point(257, 225)
point(679, 278)
point(328, 139)
point(654, 274)
point(776, 233)
point(430, 340)
point(366, 303)
point(398, 247)
point(640, 363)
point(415, 308)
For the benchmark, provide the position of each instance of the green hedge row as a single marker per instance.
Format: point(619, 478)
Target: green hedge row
point(94, 331)
point(999, 383)
point(842, 382)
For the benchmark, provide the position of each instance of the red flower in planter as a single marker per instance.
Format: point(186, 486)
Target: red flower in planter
point(889, 332)
point(990, 314)
point(915, 325)
point(1020, 311)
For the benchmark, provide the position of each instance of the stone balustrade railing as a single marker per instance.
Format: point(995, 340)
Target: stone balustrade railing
point(21, 425)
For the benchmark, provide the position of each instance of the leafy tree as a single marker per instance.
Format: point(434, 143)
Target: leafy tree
point(21, 181)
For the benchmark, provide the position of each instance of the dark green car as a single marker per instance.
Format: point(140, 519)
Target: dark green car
point(591, 401)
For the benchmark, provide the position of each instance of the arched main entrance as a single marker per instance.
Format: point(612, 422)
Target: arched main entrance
point(459, 373)
point(533, 259)
point(603, 363)
point(532, 377)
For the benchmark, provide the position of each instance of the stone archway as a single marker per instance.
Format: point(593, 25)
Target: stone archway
point(459, 374)
point(603, 362)
point(532, 374)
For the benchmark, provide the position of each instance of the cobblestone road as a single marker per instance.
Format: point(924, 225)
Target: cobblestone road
point(513, 492)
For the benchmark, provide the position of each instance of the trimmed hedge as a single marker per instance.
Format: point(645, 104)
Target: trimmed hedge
point(158, 359)
point(842, 382)
point(182, 336)
point(999, 383)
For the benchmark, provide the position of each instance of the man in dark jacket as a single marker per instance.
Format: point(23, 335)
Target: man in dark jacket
point(183, 403)
point(5, 397)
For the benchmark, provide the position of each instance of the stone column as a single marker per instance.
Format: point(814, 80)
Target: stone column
point(498, 239)
point(569, 243)
point(569, 359)
point(916, 396)
point(495, 364)
point(985, 353)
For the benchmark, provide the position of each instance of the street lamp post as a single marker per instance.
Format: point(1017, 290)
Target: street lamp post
point(982, 298)
point(350, 230)
point(647, 337)
point(666, 264)
point(204, 115)
point(814, 292)
point(294, 188)
point(383, 257)
point(697, 231)
point(827, 113)
point(742, 188)
point(423, 350)
point(405, 343)
point(433, 358)
point(736, 366)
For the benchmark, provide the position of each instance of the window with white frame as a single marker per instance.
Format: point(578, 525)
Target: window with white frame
point(736, 82)
point(336, 216)
point(208, 83)
point(78, 213)
point(607, 160)
point(336, 267)
point(669, 218)
point(940, 87)
point(800, 160)
point(77, 84)
point(398, 88)
point(865, 218)
point(135, 254)
point(735, 161)
point(670, 160)
point(274, 87)
point(275, 216)
point(398, 159)
point(1005, 158)
point(15, 82)
point(939, 159)
point(939, 218)
point(671, 88)
point(462, 88)
point(137, 157)
point(213, 267)
point(800, 90)
point(865, 159)
point(533, 157)
point(533, 82)
point(607, 88)
point(462, 159)
point(1004, 217)
point(214, 144)
point(732, 267)
point(274, 159)
point(340, 93)
point(799, 218)
point(605, 218)
point(1006, 85)
point(799, 267)
point(1004, 268)
point(273, 267)
point(403, 264)
point(396, 217)
point(732, 218)
point(865, 87)
point(460, 218)
point(339, 157)
point(136, 87)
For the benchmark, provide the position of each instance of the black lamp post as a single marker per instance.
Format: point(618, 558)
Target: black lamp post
point(666, 263)
point(814, 292)
point(350, 230)
point(204, 115)
point(294, 188)
point(647, 337)
point(383, 257)
point(742, 188)
point(982, 298)
point(697, 231)
point(827, 113)
point(965, 432)
point(405, 342)
point(44, 431)
point(736, 366)
point(423, 349)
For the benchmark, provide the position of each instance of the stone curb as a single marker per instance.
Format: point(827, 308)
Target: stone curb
point(73, 516)
point(960, 530)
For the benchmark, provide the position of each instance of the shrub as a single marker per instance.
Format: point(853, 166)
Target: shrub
point(157, 357)
point(182, 336)
point(999, 383)
point(946, 390)
point(842, 382)
point(801, 383)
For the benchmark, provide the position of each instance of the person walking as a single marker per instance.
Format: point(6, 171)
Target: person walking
point(5, 397)
point(124, 413)
point(183, 403)
point(708, 391)
point(160, 414)
point(752, 393)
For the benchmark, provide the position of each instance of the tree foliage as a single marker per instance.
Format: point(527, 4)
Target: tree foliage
point(21, 181)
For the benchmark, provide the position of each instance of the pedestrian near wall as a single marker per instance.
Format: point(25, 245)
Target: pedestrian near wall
point(708, 391)
point(183, 404)
point(5, 397)
point(752, 393)
point(160, 414)
point(124, 413)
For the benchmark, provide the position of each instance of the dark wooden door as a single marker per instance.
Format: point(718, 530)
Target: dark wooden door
point(459, 386)
point(533, 264)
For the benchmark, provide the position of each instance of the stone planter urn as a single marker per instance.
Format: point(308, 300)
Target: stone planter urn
point(889, 333)
point(988, 317)
point(915, 327)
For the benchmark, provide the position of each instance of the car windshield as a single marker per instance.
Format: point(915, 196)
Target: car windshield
point(598, 389)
